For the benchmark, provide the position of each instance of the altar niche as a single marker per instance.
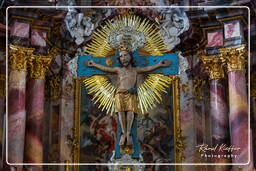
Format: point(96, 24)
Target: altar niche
point(158, 136)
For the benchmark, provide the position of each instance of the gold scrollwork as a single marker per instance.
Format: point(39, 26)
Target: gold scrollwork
point(74, 143)
point(234, 58)
point(2, 86)
point(178, 143)
point(39, 66)
point(19, 57)
point(253, 85)
point(76, 151)
point(54, 51)
point(197, 88)
point(214, 66)
point(56, 88)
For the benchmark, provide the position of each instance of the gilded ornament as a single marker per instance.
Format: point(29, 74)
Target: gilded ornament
point(67, 167)
point(197, 88)
point(214, 66)
point(253, 85)
point(109, 62)
point(2, 86)
point(179, 139)
point(55, 85)
point(136, 31)
point(234, 58)
point(19, 56)
point(74, 143)
point(39, 66)
point(54, 51)
point(127, 149)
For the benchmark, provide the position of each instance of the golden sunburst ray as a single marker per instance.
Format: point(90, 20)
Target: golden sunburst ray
point(103, 92)
point(149, 92)
point(99, 45)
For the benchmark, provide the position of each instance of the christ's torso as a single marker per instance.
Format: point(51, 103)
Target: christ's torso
point(126, 78)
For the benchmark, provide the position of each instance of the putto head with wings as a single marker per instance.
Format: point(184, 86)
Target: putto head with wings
point(128, 34)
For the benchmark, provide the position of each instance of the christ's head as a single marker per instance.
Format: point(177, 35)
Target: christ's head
point(125, 58)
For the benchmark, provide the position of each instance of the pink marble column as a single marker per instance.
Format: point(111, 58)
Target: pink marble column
point(253, 113)
point(35, 111)
point(2, 114)
point(187, 115)
point(238, 115)
point(16, 103)
point(34, 123)
point(16, 116)
point(220, 124)
point(67, 116)
point(218, 110)
point(238, 105)
point(253, 104)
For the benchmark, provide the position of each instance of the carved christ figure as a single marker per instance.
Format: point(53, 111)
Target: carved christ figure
point(125, 97)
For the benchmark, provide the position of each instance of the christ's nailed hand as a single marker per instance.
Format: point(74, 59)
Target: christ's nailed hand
point(89, 63)
point(165, 62)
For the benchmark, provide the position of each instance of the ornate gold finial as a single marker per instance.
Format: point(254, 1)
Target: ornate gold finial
point(2, 86)
point(214, 66)
point(235, 58)
point(39, 66)
point(19, 57)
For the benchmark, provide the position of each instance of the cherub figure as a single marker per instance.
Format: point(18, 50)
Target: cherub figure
point(125, 96)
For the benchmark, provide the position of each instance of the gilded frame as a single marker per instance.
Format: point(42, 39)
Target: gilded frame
point(178, 143)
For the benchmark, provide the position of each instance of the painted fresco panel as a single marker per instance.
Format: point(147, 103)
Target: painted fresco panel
point(20, 29)
point(215, 39)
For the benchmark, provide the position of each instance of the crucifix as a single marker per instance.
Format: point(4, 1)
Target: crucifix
point(126, 102)
point(130, 36)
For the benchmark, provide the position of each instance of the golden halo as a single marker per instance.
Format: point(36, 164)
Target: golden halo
point(154, 44)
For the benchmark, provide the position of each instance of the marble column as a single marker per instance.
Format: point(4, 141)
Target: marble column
point(66, 116)
point(18, 57)
point(253, 104)
point(2, 114)
point(218, 109)
point(253, 113)
point(238, 105)
point(35, 111)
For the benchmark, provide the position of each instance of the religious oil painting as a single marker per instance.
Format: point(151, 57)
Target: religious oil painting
point(99, 131)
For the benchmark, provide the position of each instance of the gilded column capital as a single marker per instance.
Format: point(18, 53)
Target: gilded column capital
point(234, 58)
point(39, 65)
point(214, 66)
point(19, 56)
point(2, 86)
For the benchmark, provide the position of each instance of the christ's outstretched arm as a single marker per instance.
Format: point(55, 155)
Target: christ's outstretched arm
point(91, 63)
point(162, 63)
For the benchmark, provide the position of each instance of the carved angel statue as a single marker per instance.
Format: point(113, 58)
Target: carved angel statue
point(78, 26)
point(127, 98)
point(175, 22)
